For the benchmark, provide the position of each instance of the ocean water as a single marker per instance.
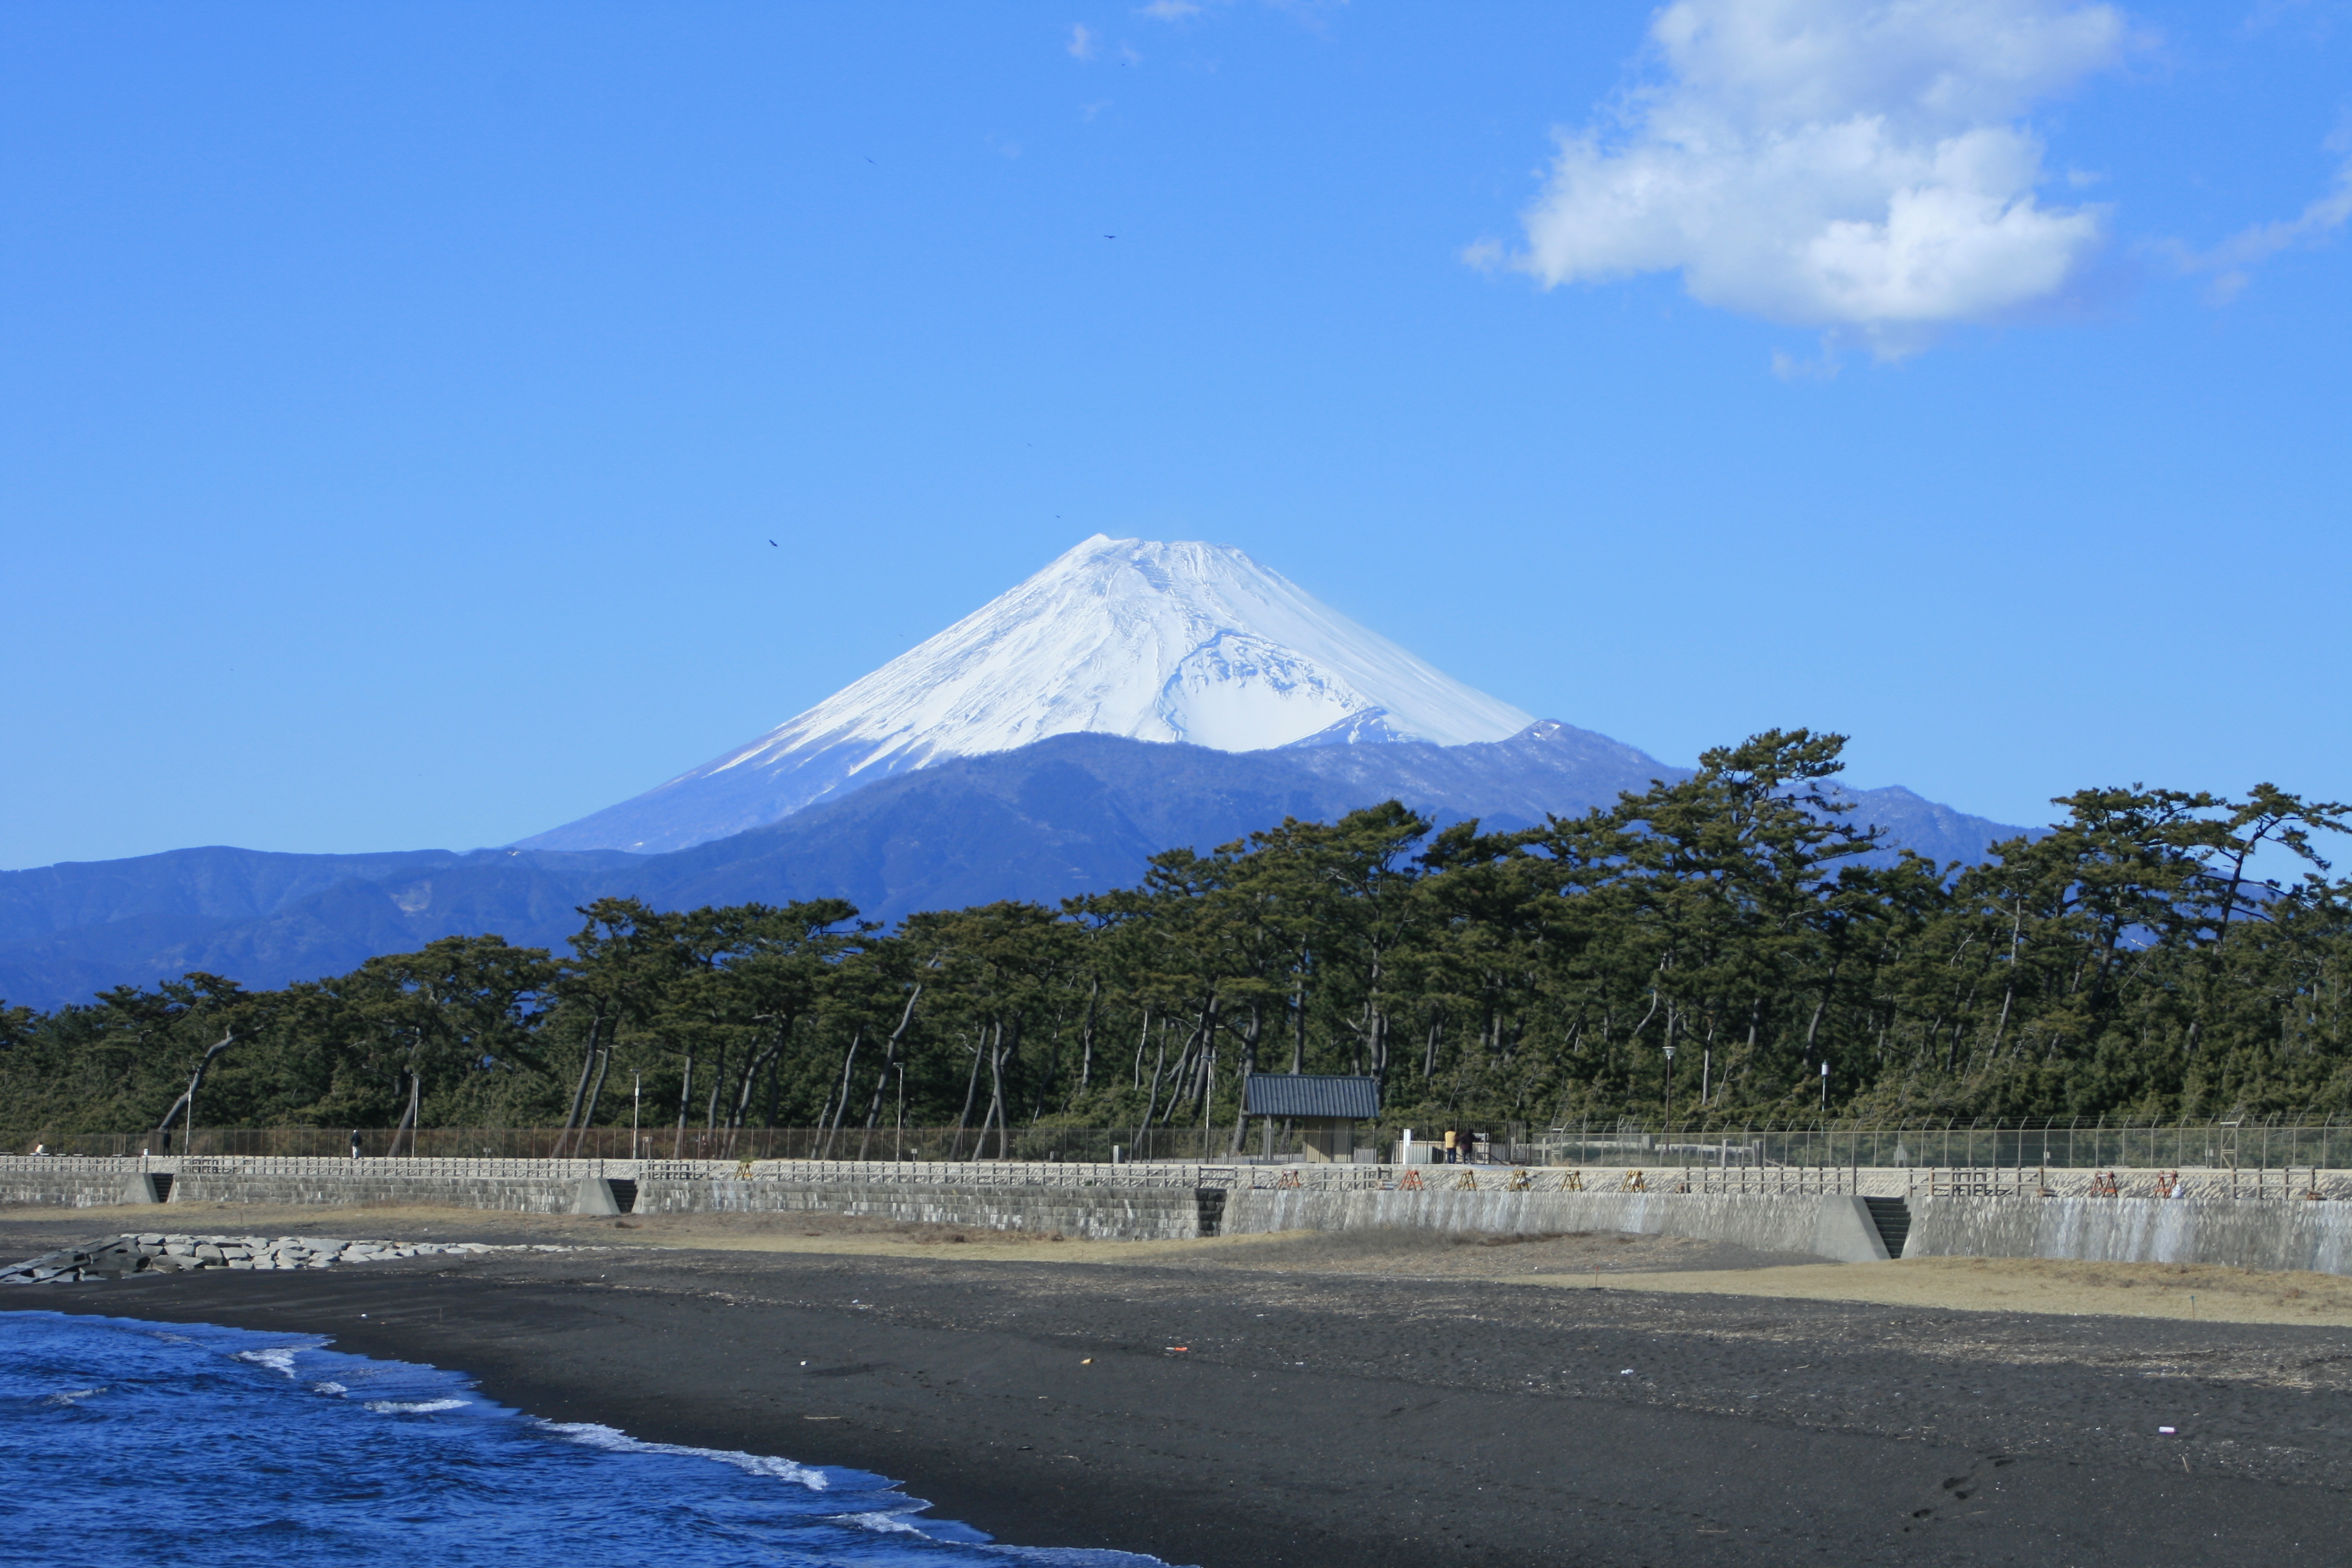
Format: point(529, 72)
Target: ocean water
point(124, 1441)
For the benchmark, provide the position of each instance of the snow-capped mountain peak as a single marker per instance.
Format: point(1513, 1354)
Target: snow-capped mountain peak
point(1157, 641)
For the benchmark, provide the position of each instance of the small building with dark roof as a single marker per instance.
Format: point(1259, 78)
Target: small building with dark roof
point(1324, 1107)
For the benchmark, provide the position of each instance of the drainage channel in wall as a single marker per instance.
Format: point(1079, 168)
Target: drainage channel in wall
point(163, 1181)
point(1893, 1217)
point(1210, 1202)
point(624, 1194)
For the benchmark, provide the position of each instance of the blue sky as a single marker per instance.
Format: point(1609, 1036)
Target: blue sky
point(399, 400)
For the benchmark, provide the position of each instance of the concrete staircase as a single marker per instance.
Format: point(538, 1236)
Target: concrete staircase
point(1893, 1217)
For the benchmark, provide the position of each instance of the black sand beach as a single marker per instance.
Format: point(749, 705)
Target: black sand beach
point(1288, 1414)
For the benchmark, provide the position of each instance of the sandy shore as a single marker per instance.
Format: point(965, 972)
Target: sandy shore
point(1379, 1399)
point(2192, 1292)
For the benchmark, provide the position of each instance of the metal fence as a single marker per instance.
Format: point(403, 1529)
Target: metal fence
point(2220, 1145)
point(2226, 1144)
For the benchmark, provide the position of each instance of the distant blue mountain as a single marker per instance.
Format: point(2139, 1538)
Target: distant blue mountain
point(1076, 813)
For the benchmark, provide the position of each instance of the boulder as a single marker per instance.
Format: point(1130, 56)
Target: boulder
point(112, 1262)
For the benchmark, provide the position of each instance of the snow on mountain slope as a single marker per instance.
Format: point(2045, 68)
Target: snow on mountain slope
point(1124, 636)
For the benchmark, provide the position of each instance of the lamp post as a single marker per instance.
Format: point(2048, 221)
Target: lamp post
point(1670, 1100)
point(1825, 1088)
point(636, 1106)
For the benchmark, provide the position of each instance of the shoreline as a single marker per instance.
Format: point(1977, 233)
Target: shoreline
point(1493, 1420)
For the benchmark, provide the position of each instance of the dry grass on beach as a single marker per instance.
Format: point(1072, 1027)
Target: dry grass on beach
point(2202, 1291)
point(1631, 1263)
point(2209, 1292)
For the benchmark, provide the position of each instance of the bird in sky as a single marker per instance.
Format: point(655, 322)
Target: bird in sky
point(773, 545)
point(1110, 237)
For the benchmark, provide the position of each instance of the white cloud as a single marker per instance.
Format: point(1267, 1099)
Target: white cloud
point(2232, 261)
point(1789, 368)
point(1841, 164)
point(1082, 41)
point(1170, 10)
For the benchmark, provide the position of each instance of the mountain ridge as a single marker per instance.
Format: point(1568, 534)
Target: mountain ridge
point(1073, 814)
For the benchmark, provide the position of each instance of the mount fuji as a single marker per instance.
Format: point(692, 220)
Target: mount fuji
point(1129, 698)
point(1171, 642)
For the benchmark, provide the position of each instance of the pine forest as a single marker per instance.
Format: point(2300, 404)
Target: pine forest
point(2154, 955)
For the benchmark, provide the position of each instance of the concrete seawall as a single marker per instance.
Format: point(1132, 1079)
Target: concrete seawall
point(74, 1184)
point(1125, 1203)
point(1093, 1213)
point(97, 1184)
point(521, 1195)
point(1834, 1226)
point(1140, 1202)
point(2243, 1232)
point(1121, 1204)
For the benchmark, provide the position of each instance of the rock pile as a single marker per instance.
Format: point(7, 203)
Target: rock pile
point(154, 1250)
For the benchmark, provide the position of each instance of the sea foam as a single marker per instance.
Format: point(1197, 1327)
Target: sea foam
point(413, 1407)
point(276, 1358)
point(619, 1442)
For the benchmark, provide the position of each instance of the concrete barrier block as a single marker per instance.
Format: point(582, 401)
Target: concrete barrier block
point(1843, 1232)
point(140, 1188)
point(595, 1196)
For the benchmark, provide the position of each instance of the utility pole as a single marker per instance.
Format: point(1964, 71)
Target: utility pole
point(1825, 1088)
point(636, 1105)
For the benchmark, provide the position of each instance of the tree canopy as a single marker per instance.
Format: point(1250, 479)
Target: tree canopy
point(2128, 961)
